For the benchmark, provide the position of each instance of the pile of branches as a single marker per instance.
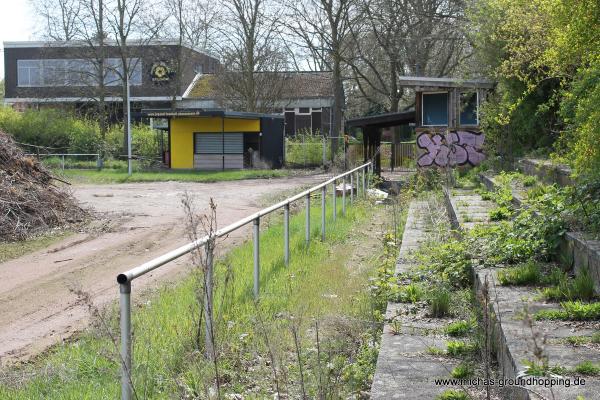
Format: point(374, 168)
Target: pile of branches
point(30, 200)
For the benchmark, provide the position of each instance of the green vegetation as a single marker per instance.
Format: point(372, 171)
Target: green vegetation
point(305, 149)
point(11, 250)
point(462, 370)
point(579, 288)
point(500, 214)
point(67, 133)
point(439, 302)
point(459, 348)
point(316, 293)
point(544, 56)
point(121, 176)
point(451, 394)
point(459, 328)
point(528, 273)
point(572, 311)
point(543, 368)
point(587, 368)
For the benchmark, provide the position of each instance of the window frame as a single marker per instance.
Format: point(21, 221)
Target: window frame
point(447, 108)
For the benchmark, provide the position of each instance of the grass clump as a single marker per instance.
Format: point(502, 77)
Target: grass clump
point(587, 368)
point(578, 340)
point(525, 274)
point(500, 213)
point(452, 394)
point(572, 311)
point(411, 293)
point(439, 302)
point(458, 347)
point(462, 370)
point(579, 288)
point(458, 328)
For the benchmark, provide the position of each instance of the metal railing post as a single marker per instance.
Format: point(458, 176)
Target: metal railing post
point(286, 234)
point(256, 258)
point(323, 201)
point(364, 183)
point(351, 188)
point(125, 306)
point(63, 162)
point(307, 228)
point(344, 196)
point(334, 200)
point(208, 303)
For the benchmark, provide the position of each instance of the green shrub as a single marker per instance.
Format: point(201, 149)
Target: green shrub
point(305, 148)
point(458, 328)
point(500, 214)
point(522, 275)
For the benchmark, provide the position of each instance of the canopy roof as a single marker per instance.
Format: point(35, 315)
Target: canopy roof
point(383, 120)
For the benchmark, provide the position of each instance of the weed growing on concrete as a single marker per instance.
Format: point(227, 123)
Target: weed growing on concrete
point(459, 348)
point(452, 394)
point(525, 274)
point(462, 370)
point(439, 302)
point(459, 328)
point(587, 368)
point(572, 311)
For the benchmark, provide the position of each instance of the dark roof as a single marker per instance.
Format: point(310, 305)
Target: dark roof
point(299, 85)
point(201, 112)
point(382, 120)
point(426, 82)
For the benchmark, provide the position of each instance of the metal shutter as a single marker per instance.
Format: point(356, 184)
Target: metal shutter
point(208, 143)
point(234, 143)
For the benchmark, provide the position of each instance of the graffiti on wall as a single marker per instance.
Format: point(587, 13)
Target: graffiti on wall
point(450, 149)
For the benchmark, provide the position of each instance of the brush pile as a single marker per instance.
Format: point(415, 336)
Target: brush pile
point(30, 202)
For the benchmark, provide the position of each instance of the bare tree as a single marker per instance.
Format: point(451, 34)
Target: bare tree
point(253, 55)
point(131, 19)
point(403, 37)
point(60, 18)
point(194, 24)
point(322, 29)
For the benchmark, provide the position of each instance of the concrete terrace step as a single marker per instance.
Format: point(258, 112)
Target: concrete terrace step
point(577, 248)
point(512, 336)
point(404, 369)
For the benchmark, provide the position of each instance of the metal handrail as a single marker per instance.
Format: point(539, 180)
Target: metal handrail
point(124, 279)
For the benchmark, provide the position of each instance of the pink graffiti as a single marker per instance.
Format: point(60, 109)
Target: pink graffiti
point(453, 148)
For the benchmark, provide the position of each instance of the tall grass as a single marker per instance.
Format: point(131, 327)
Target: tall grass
point(318, 289)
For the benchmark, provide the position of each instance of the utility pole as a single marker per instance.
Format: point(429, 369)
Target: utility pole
point(129, 166)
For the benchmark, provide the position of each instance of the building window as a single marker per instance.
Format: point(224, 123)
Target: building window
point(434, 108)
point(74, 72)
point(469, 109)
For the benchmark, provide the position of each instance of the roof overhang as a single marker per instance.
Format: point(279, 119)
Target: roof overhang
point(84, 43)
point(427, 83)
point(201, 112)
point(383, 120)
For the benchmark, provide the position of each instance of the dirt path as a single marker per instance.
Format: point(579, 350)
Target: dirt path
point(143, 221)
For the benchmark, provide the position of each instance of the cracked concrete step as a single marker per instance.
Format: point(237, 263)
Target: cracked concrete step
point(404, 368)
point(512, 337)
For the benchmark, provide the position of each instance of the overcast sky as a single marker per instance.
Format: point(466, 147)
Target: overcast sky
point(15, 24)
